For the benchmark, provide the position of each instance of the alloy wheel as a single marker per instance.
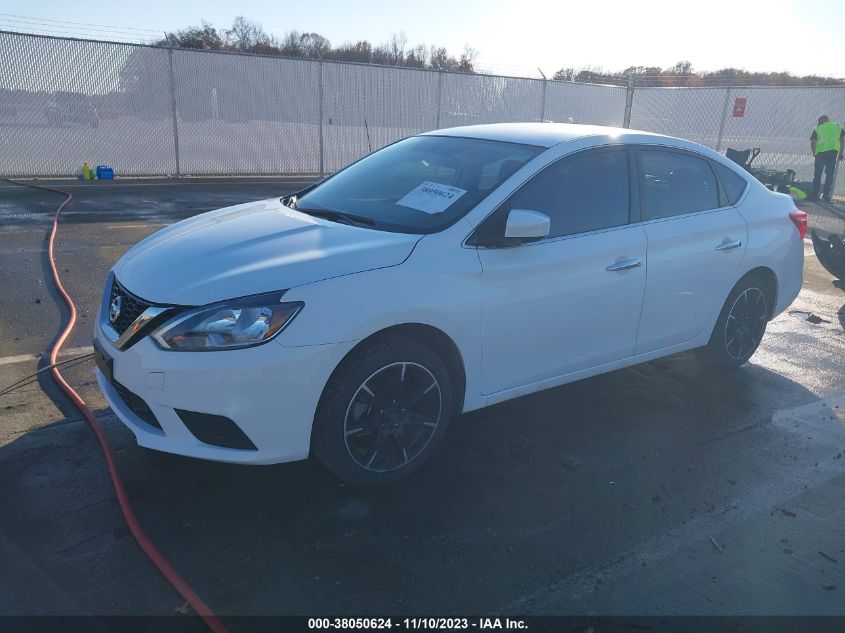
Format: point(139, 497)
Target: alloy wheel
point(392, 416)
point(746, 323)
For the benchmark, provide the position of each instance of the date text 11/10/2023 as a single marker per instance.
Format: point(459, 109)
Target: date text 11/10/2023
point(413, 624)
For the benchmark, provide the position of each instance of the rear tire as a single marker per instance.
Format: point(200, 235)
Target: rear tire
point(383, 412)
point(741, 324)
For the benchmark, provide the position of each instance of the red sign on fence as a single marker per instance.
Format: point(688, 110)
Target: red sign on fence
point(739, 106)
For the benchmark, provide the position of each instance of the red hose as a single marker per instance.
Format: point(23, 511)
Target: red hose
point(141, 537)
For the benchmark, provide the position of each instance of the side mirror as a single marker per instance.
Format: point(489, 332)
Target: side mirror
point(524, 225)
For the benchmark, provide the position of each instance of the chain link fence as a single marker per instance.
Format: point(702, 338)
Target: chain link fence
point(777, 120)
point(367, 107)
point(155, 111)
point(66, 101)
point(568, 102)
point(237, 114)
point(691, 113)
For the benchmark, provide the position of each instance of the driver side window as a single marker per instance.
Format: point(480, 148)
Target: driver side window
point(581, 193)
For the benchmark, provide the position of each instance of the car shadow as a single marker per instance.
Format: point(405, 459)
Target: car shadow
point(517, 494)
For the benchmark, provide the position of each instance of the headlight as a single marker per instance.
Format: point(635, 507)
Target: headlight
point(227, 325)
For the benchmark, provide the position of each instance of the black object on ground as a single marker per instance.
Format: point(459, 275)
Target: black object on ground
point(773, 179)
point(831, 253)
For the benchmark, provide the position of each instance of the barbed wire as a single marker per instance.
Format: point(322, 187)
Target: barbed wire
point(107, 26)
point(507, 69)
point(82, 30)
point(57, 32)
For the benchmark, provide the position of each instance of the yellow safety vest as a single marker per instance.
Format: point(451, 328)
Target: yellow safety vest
point(827, 137)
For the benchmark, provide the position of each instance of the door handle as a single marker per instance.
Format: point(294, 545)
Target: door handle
point(727, 246)
point(626, 264)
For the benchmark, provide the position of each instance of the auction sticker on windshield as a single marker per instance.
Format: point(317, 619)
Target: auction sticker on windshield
point(431, 197)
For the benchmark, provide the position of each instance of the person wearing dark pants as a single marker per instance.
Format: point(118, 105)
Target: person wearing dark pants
point(827, 144)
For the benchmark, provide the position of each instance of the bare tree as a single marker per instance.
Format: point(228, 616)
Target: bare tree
point(681, 68)
point(204, 36)
point(361, 52)
point(396, 47)
point(249, 36)
point(245, 35)
point(439, 58)
point(467, 60)
point(565, 74)
point(315, 45)
point(417, 57)
point(590, 74)
point(291, 45)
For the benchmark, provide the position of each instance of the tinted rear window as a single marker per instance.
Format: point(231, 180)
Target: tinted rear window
point(674, 183)
point(732, 183)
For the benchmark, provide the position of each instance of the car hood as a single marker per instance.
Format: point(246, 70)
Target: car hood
point(252, 248)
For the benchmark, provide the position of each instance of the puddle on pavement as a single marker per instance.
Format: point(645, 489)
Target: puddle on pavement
point(810, 317)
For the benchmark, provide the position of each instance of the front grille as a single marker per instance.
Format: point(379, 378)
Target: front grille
point(131, 307)
point(136, 404)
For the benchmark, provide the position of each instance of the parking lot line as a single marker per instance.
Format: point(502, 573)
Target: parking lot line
point(188, 181)
point(138, 226)
point(23, 358)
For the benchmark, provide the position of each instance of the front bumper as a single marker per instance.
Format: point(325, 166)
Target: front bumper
point(269, 391)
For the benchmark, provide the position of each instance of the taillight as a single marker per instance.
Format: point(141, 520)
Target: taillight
point(799, 219)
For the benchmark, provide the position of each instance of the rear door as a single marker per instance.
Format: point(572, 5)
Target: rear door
point(573, 300)
point(696, 243)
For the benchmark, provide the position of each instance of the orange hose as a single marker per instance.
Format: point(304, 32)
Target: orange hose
point(141, 537)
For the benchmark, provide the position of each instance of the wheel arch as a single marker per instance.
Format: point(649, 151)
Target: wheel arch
point(430, 336)
point(767, 276)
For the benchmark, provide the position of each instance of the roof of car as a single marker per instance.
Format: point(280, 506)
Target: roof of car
point(542, 134)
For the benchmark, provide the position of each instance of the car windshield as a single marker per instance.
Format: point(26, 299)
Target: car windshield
point(422, 184)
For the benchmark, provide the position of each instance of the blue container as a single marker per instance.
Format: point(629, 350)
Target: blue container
point(104, 173)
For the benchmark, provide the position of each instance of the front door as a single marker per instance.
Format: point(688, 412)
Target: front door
point(571, 301)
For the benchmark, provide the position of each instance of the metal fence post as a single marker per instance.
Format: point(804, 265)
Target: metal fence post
point(439, 94)
point(543, 107)
point(173, 111)
point(724, 118)
point(320, 125)
point(629, 101)
point(543, 99)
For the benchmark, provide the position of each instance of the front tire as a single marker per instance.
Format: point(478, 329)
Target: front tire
point(383, 412)
point(741, 324)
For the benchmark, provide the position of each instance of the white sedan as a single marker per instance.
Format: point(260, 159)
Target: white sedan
point(441, 274)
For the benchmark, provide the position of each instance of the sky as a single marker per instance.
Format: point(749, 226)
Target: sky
point(510, 37)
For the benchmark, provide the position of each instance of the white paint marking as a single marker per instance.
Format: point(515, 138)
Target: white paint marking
point(136, 226)
point(287, 180)
point(25, 358)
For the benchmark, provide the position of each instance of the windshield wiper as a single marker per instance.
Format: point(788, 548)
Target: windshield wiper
point(291, 199)
point(339, 216)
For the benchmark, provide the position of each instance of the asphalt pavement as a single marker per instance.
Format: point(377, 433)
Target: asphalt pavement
point(665, 488)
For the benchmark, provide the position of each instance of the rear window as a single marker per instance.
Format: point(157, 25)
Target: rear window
point(732, 183)
point(675, 183)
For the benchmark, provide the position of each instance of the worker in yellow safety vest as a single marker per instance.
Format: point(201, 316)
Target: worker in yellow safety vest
point(827, 143)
